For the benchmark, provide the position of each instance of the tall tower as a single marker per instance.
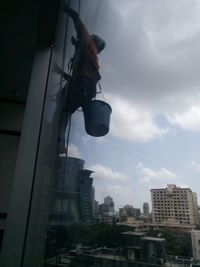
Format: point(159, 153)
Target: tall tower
point(66, 196)
point(73, 195)
point(146, 210)
point(86, 197)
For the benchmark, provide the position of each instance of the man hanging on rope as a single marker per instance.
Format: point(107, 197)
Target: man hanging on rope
point(85, 66)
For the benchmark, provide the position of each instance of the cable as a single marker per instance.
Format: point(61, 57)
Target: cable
point(154, 160)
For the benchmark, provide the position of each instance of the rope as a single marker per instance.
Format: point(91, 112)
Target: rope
point(100, 91)
point(69, 71)
point(79, 7)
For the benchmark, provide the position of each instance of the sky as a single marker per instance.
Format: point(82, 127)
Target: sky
point(150, 77)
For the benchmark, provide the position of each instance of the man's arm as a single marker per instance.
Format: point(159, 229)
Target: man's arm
point(82, 33)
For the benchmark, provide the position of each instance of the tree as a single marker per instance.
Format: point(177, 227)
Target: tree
point(177, 241)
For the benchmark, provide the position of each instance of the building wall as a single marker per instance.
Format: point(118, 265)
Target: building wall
point(195, 235)
point(17, 50)
point(195, 208)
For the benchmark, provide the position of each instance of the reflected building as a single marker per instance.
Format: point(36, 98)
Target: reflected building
point(86, 196)
point(72, 200)
point(32, 131)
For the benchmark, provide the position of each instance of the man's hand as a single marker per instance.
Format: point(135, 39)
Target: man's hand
point(79, 26)
point(69, 11)
point(74, 41)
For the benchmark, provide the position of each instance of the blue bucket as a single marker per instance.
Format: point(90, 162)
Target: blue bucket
point(97, 118)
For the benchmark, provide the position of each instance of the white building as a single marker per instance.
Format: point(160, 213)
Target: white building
point(174, 203)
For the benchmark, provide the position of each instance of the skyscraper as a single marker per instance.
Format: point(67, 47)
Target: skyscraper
point(174, 203)
point(86, 197)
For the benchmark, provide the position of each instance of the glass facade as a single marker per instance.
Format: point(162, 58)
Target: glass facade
point(78, 158)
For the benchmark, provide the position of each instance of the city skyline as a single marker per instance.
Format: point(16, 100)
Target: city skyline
point(149, 203)
point(107, 199)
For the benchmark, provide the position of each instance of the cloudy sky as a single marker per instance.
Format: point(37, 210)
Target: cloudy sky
point(150, 77)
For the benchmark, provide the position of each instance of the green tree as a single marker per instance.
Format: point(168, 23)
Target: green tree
point(177, 241)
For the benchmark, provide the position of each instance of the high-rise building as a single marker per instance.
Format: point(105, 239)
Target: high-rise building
point(66, 198)
point(86, 196)
point(108, 201)
point(174, 204)
point(146, 210)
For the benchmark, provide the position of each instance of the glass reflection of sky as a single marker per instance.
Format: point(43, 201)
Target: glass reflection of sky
point(150, 78)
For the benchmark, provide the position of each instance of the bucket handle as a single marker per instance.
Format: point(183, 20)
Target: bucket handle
point(100, 91)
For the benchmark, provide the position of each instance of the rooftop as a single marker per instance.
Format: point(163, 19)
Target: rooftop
point(133, 233)
point(154, 239)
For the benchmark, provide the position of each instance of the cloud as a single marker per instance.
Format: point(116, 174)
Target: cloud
point(183, 186)
point(194, 165)
point(106, 173)
point(121, 196)
point(110, 182)
point(149, 175)
point(73, 151)
point(154, 57)
point(132, 123)
point(188, 120)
